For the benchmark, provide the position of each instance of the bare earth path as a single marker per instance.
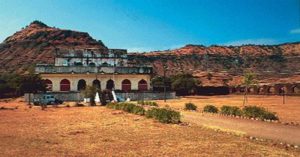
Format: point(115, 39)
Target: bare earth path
point(273, 131)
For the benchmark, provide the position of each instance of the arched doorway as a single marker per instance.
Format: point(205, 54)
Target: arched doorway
point(110, 84)
point(65, 85)
point(81, 85)
point(97, 84)
point(49, 84)
point(126, 85)
point(142, 85)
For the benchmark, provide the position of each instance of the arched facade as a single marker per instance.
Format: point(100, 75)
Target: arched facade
point(49, 84)
point(142, 85)
point(65, 85)
point(126, 85)
point(81, 85)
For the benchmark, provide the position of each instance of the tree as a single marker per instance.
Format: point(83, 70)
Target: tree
point(31, 83)
point(184, 83)
point(90, 92)
point(248, 80)
point(158, 83)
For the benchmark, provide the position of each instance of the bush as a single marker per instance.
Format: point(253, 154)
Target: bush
point(231, 110)
point(128, 107)
point(164, 115)
point(210, 108)
point(258, 112)
point(149, 103)
point(190, 106)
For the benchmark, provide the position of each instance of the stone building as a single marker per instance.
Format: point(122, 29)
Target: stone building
point(105, 69)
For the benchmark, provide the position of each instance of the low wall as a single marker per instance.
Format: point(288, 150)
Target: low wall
point(65, 96)
point(76, 96)
point(147, 95)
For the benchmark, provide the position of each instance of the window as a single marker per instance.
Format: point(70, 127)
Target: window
point(81, 85)
point(65, 85)
point(126, 85)
point(142, 86)
point(110, 84)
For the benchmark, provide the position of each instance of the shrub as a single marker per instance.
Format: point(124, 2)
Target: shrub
point(164, 115)
point(149, 103)
point(128, 107)
point(258, 112)
point(190, 106)
point(210, 108)
point(231, 110)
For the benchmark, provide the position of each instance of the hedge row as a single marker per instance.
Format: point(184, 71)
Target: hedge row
point(247, 111)
point(163, 115)
point(128, 107)
point(149, 103)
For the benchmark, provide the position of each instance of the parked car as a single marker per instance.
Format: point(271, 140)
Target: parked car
point(47, 99)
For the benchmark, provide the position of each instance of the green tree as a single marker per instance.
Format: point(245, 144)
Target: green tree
point(184, 83)
point(31, 83)
point(249, 79)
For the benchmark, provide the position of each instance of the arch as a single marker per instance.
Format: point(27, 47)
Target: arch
point(260, 90)
point(97, 84)
point(251, 90)
point(81, 85)
point(92, 64)
point(271, 90)
point(110, 84)
point(296, 89)
point(126, 85)
point(49, 84)
point(142, 85)
point(282, 90)
point(65, 85)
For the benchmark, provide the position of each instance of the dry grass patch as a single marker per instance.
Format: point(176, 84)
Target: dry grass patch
point(96, 131)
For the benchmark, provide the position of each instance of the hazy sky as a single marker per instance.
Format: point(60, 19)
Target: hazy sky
point(143, 25)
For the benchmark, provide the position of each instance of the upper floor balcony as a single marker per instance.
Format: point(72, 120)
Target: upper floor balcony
point(51, 69)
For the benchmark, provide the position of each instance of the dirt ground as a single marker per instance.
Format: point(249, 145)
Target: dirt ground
point(98, 131)
point(288, 112)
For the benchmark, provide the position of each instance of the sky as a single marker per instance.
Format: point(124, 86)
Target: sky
point(149, 25)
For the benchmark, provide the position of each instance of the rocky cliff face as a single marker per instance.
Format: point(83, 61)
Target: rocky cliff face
point(214, 65)
point(37, 43)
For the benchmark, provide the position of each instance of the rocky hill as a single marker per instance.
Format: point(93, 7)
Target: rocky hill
point(37, 43)
point(213, 65)
point(224, 65)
